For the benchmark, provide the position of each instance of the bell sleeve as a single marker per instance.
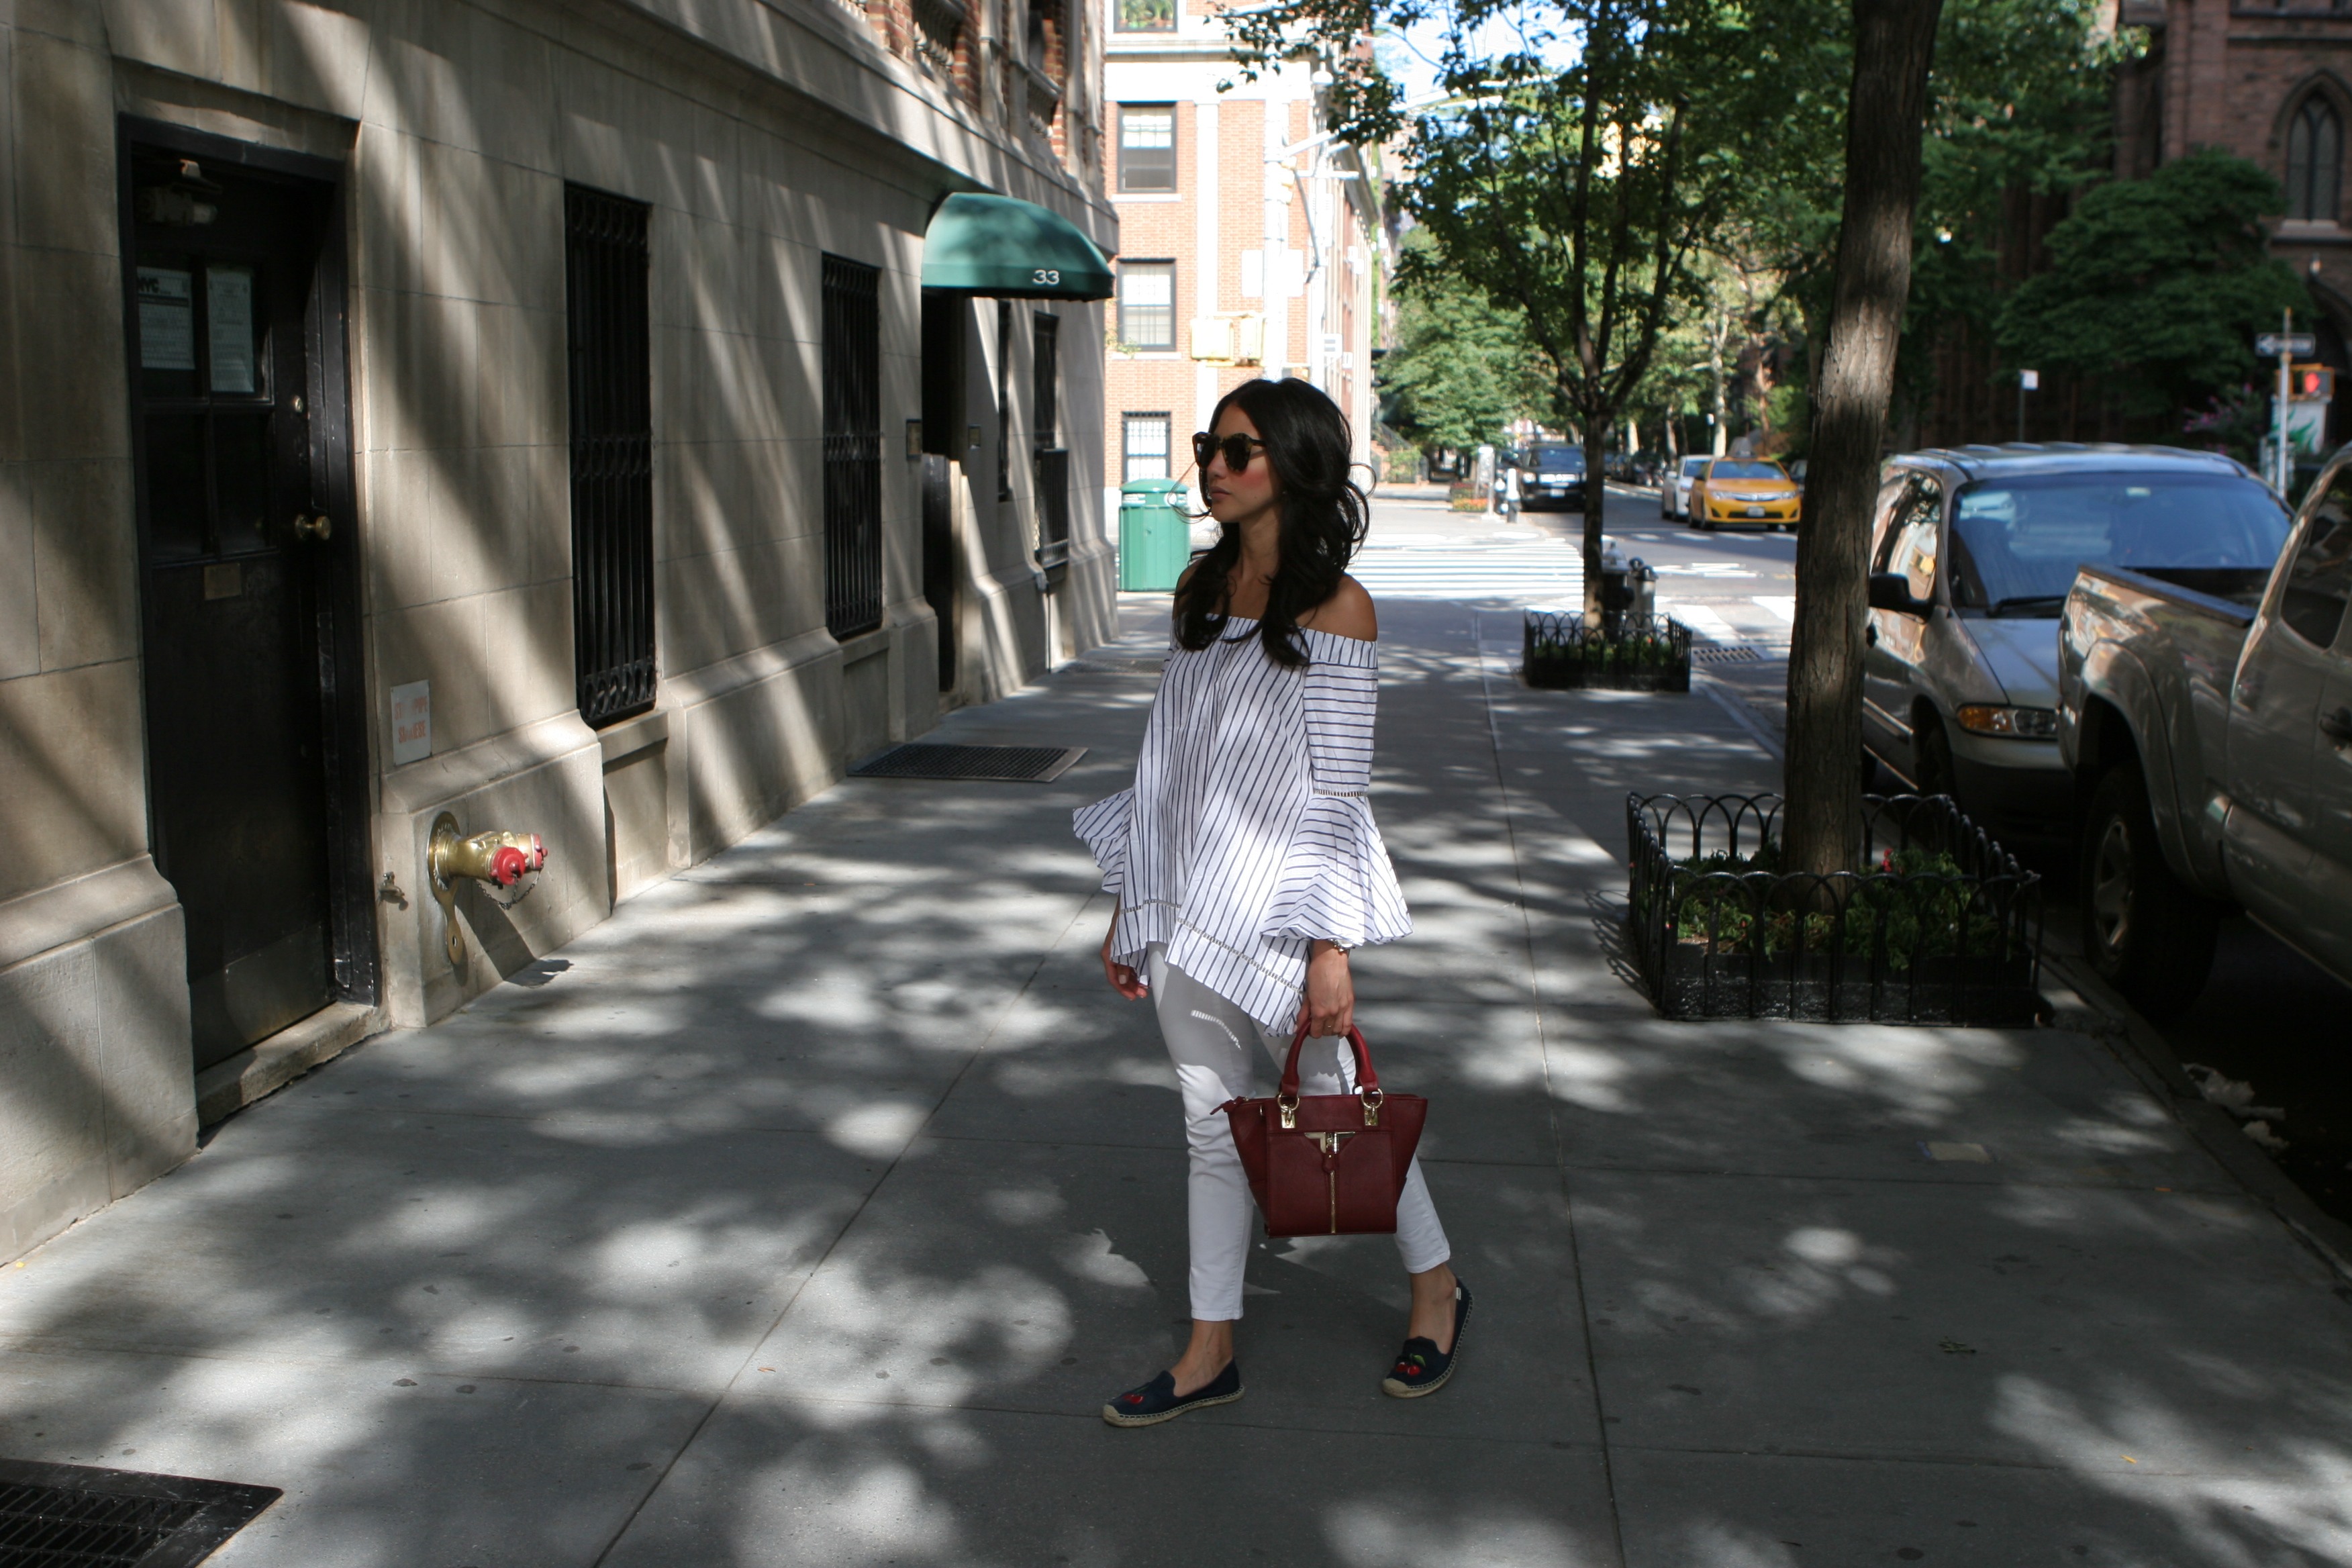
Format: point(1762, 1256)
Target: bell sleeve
point(1106, 827)
point(1335, 883)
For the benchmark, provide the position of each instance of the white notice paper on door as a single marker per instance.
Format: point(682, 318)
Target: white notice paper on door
point(412, 723)
point(167, 319)
point(228, 316)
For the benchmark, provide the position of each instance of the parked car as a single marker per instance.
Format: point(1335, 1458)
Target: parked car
point(1732, 490)
point(1557, 482)
point(1972, 555)
point(1673, 495)
point(2205, 706)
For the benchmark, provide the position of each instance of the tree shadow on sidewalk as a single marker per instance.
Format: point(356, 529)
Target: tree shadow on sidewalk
point(811, 1214)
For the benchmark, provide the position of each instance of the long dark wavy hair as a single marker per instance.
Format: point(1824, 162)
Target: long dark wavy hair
point(1323, 519)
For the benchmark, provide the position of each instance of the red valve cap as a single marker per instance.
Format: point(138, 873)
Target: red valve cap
point(508, 866)
point(538, 853)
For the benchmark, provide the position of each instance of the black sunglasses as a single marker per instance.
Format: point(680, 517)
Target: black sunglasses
point(1236, 449)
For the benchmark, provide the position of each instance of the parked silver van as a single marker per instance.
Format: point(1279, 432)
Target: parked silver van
point(1973, 552)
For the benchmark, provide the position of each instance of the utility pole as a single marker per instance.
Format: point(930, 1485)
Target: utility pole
point(1276, 267)
point(2285, 460)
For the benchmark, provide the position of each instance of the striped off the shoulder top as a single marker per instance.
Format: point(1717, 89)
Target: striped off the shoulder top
point(1248, 832)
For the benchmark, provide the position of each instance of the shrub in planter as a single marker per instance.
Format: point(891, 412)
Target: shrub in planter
point(1942, 925)
point(1623, 653)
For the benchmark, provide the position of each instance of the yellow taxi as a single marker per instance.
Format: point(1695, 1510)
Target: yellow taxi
point(1745, 490)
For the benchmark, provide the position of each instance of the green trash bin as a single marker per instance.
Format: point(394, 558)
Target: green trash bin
point(1155, 537)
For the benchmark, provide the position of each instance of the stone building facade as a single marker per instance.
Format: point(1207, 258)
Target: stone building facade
point(1251, 245)
point(486, 415)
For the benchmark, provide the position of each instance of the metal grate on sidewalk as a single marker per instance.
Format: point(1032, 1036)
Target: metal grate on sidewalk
point(1009, 764)
point(1726, 653)
point(77, 1516)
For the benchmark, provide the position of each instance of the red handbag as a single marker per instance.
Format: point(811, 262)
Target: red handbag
point(1327, 1165)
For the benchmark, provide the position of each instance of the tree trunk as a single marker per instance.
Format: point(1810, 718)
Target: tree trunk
point(1893, 42)
point(1596, 490)
point(1717, 328)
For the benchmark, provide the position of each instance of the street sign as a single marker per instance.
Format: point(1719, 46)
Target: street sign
point(2029, 380)
point(2270, 345)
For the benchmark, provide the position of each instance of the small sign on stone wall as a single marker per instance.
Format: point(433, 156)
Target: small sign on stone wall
point(412, 723)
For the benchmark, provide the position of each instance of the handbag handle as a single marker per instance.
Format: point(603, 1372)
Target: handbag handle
point(1368, 1082)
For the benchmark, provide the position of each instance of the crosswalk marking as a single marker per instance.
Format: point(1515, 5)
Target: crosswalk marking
point(1549, 574)
point(1533, 572)
point(1702, 619)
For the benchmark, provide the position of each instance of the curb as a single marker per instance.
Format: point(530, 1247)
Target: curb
point(2105, 1016)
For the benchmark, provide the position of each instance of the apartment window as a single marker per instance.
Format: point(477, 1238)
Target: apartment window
point(1147, 15)
point(1144, 443)
point(1004, 400)
point(1044, 378)
point(853, 446)
point(1147, 147)
point(2314, 161)
point(1052, 461)
point(608, 337)
point(1146, 304)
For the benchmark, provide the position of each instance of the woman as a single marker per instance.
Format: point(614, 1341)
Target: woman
point(1245, 862)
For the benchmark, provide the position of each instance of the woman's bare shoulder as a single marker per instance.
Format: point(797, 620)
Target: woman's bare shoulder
point(1346, 614)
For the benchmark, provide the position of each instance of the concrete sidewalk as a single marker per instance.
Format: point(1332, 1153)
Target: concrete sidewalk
point(806, 1212)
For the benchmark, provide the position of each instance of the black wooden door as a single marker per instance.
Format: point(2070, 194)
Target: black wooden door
point(233, 540)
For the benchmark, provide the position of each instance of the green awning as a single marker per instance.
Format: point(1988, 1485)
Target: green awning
point(1010, 251)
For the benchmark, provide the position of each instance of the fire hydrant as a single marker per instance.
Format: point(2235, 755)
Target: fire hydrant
point(496, 858)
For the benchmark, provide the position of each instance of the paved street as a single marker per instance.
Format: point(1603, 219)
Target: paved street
point(806, 1211)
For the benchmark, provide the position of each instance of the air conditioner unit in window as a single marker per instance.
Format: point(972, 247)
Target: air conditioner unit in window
point(1235, 339)
point(1212, 338)
point(1249, 338)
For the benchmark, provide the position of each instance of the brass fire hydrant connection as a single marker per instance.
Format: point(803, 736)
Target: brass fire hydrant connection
point(496, 858)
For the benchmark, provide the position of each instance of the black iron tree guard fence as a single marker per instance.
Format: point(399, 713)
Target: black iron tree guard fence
point(1945, 928)
point(1623, 653)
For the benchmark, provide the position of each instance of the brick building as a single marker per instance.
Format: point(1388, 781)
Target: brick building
point(2272, 84)
point(1249, 247)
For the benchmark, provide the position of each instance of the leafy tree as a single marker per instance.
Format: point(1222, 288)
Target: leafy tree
point(2159, 284)
point(1460, 372)
point(2019, 100)
point(2020, 104)
point(1574, 194)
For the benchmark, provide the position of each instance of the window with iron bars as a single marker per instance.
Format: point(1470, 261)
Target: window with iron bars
point(1052, 466)
point(1144, 446)
point(608, 335)
point(853, 446)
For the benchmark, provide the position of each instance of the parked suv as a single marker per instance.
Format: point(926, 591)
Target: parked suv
point(1973, 552)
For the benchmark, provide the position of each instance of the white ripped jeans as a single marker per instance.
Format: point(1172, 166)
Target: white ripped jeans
point(1221, 1053)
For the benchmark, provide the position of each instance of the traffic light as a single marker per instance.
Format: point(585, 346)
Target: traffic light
point(2312, 383)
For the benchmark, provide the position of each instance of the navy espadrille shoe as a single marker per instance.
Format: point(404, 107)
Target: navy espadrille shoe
point(1156, 1401)
point(1420, 1367)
